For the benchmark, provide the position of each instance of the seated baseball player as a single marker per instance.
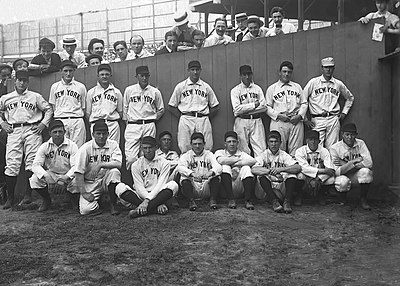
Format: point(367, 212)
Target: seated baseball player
point(317, 169)
point(53, 165)
point(275, 167)
point(236, 177)
point(199, 173)
point(164, 151)
point(353, 163)
point(151, 188)
point(97, 170)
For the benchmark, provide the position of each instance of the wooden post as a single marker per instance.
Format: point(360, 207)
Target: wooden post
point(206, 23)
point(340, 11)
point(300, 11)
point(266, 13)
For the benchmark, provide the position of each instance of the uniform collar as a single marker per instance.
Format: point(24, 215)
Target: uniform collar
point(322, 79)
point(282, 84)
point(190, 82)
point(110, 86)
point(71, 83)
point(95, 146)
point(194, 154)
point(243, 85)
point(229, 154)
point(65, 142)
point(316, 151)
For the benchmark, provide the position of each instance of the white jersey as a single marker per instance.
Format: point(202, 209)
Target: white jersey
point(57, 159)
point(193, 97)
point(104, 103)
point(68, 99)
point(90, 154)
point(311, 161)
point(150, 176)
point(287, 98)
point(190, 163)
point(25, 108)
point(171, 156)
point(243, 99)
point(280, 159)
point(342, 151)
point(142, 104)
point(323, 96)
point(243, 156)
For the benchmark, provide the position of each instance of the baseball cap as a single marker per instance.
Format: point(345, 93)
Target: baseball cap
point(274, 134)
point(56, 123)
point(22, 74)
point(349, 127)
point(19, 61)
point(100, 125)
point(328, 62)
point(142, 70)
point(197, 135)
point(162, 134)
point(149, 140)
point(194, 64)
point(231, 134)
point(5, 66)
point(45, 42)
point(312, 134)
point(245, 69)
point(104, 67)
point(93, 56)
point(67, 63)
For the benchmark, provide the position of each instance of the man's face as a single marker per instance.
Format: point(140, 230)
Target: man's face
point(5, 74)
point(246, 78)
point(183, 27)
point(220, 28)
point(171, 42)
point(254, 28)
point(312, 143)
point(274, 144)
point(285, 74)
point(121, 51)
point(57, 134)
point(21, 66)
point(197, 146)
point(21, 85)
point(381, 6)
point(100, 137)
point(67, 73)
point(277, 17)
point(327, 72)
point(194, 74)
point(143, 79)
point(46, 52)
point(198, 40)
point(165, 142)
point(104, 77)
point(231, 145)
point(149, 151)
point(349, 138)
point(241, 23)
point(98, 48)
point(70, 49)
point(136, 45)
point(94, 62)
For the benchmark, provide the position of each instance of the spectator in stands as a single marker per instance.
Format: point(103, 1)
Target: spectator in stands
point(137, 44)
point(69, 44)
point(218, 37)
point(96, 46)
point(5, 75)
point(279, 28)
point(171, 42)
point(392, 21)
point(241, 22)
point(93, 60)
point(184, 31)
point(46, 61)
point(20, 64)
point(121, 49)
point(198, 38)
point(256, 29)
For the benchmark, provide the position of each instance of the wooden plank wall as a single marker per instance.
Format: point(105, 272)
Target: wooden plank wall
point(395, 158)
point(356, 57)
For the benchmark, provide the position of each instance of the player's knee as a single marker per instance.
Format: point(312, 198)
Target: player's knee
point(364, 176)
point(301, 177)
point(173, 186)
point(342, 184)
point(245, 172)
point(90, 207)
point(227, 169)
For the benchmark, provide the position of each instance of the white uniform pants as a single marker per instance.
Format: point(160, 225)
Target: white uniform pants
point(133, 135)
point(238, 175)
point(250, 130)
point(75, 130)
point(292, 135)
point(37, 183)
point(328, 128)
point(188, 125)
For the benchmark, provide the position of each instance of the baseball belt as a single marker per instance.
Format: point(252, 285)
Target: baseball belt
point(195, 114)
point(68, 117)
point(142, 121)
point(24, 124)
point(250, 116)
point(106, 120)
point(325, 114)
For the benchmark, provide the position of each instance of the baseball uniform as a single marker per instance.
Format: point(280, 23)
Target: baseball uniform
point(248, 124)
point(194, 101)
point(323, 103)
point(173, 159)
point(142, 107)
point(55, 160)
point(287, 99)
point(23, 112)
point(90, 155)
point(105, 104)
point(69, 102)
point(191, 163)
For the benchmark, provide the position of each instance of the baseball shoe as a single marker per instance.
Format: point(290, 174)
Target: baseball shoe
point(192, 205)
point(8, 204)
point(213, 204)
point(365, 205)
point(276, 206)
point(133, 214)
point(298, 201)
point(286, 207)
point(321, 200)
point(45, 205)
point(25, 201)
point(232, 204)
point(249, 205)
point(114, 209)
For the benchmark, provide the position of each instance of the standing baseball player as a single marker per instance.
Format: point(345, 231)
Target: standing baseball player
point(68, 98)
point(194, 100)
point(143, 106)
point(236, 177)
point(97, 170)
point(248, 103)
point(323, 95)
point(104, 101)
point(53, 167)
point(353, 163)
point(199, 173)
point(274, 167)
point(151, 189)
point(317, 169)
point(287, 106)
point(24, 123)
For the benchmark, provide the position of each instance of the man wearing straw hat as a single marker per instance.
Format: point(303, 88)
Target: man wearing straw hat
point(69, 43)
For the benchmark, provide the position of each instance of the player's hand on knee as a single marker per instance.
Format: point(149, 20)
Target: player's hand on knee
point(49, 179)
point(59, 187)
point(142, 208)
point(295, 119)
point(38, 129)
point(6, 127)
point(88, 196)
point(162, 209)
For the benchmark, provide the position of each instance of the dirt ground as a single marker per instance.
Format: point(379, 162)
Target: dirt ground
point(331, 245)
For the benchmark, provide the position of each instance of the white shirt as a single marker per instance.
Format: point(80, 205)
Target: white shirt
point(214, 39)
point(190, 163)
point(286, 29)
point(143, 54)
point(77, 58)
point(261, 34)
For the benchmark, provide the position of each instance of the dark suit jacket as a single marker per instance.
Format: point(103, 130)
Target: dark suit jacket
point(39, 60)
point(163, 51)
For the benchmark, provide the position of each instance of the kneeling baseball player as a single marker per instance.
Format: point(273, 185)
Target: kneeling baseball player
point(151, 186)
point(97, 170)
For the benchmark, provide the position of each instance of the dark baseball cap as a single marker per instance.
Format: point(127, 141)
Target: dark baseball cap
point(149, 140)
point(245, 69)
point(312, 134)
point(274, 134)
point(349, 127)
point(67, 63)
point(22, 74)
point(231, 134)
point(106, 67)
point(100, 125)
point(56, 123)
point(142, 70)
point(197, 135)
point(93, 56)
point(17, 61)
point(194, 64)
point(162, 134)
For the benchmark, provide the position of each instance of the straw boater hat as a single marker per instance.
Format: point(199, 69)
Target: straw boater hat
point(69, 40)
point(181, 18)
point(255, 19)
